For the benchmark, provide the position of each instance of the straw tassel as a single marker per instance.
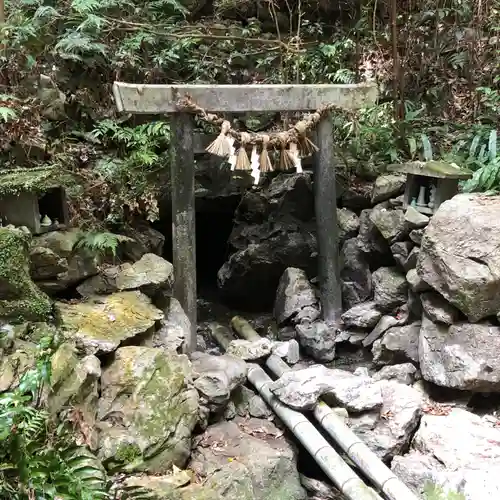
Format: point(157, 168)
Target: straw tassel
point(242, 161)
point(306, 146)
point(221, 146)
point(265, 162)
point(286, 163)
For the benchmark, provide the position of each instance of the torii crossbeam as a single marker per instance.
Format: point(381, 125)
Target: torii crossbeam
point(163, 99)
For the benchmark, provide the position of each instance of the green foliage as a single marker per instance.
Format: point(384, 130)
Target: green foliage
point(37, 456)
point(433, 492)
point(133, 172)
point(99, 244)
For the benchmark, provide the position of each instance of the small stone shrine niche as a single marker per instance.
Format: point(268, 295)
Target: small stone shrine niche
point(35, 198)
point(429, 184)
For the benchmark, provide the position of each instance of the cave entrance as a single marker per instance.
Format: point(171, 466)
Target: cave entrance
point(214, 223)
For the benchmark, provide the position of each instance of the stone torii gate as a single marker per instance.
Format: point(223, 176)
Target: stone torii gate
point(163, 99)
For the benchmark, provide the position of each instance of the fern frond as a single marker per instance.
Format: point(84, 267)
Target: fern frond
point(7, 114)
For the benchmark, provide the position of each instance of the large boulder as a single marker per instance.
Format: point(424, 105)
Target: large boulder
point(387, 432)
point(216, 377)
point(20, 298)
point(296, 299)
point(247, 459)
point(101, 324)
point(461, 356)
point(390, 288)
point(355, 274)
point(398, 345)
point(149, 275)
point(460, 254)
point(57, 263)
point(143, 239)
point(457, 451)
point(387, 186)
point(174, 329)
point(301, 389)
point(318, 339)
point(147, 410)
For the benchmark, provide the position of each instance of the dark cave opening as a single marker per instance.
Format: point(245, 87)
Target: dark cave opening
point(214, 224)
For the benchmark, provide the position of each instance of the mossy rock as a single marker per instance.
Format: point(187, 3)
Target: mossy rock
point(151, 393)
point(20, 299)
point(101, 324)
point(15, 365)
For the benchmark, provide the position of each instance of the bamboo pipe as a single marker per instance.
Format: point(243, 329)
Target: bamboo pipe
point(380, 475)
point(342, 476)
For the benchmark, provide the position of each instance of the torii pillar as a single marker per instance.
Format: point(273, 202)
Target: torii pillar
point(163, 99)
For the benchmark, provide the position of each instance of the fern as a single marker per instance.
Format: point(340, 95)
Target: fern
point(7, 114)
point(98, 244)
point(37, 456)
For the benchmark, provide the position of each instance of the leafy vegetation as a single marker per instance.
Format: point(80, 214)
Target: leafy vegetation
point(433, 492)
point(100, 244)
point(38, 458)
point(435, 63)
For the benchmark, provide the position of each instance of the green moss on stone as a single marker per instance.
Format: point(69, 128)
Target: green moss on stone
point(128, 454)
point(35, 180)
point(20, 299)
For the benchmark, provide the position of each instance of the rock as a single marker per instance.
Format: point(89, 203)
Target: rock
point(258, 408)
point(364, 315)
point(319, 490)
point(417, 284)
point(215, 377)
point(388, 432)
point(412, 260)
point(357, 195)
point(387, 186)
point(438, 309)
point(288, 350)
point(460, 255)
point(370, 240)
point(468, 465)
point(101, 324)
point(295, 293)
point(274, 230)
point(143, 239)
point(15, 365)
point(415, 219)
point(302, 389)
point(390, 288)
point(45, 264)
point(265, 468)
point(416, 236)
point(391, 223)
point(64, 264)
point(166, 487)
point(401, 251)
point(75, 384)
point(404, 373)
point(355, 274)
point(414, 304)
point(286, 333)
point(20, 299)
point(399, 345)
point(318, 340)
point(175, 328)
point(382, 326)
point(348, 223)
point(52, 100)
point(149, 275)
point(461, 356)
point(147, 410)
point(250, 350)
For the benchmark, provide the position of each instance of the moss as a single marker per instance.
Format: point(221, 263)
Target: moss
point(128, 454)
point(20, 299)
point(15, 181)
point(132, 313)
